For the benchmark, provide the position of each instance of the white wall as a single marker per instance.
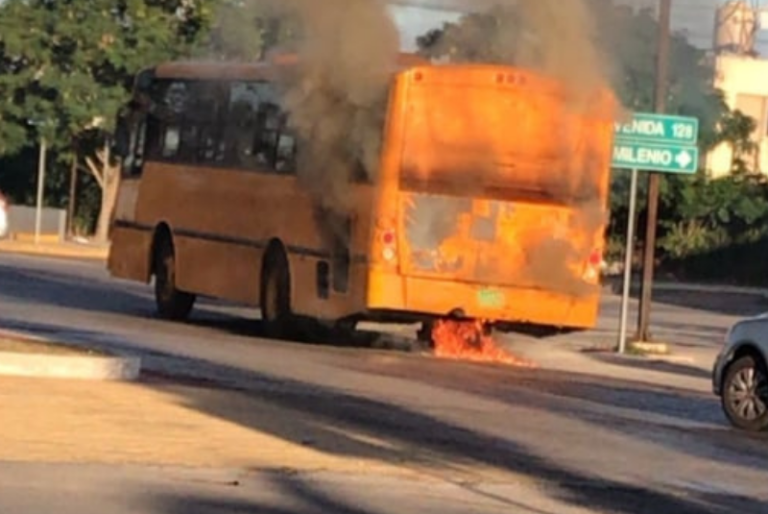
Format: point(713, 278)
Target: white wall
point(745, 84)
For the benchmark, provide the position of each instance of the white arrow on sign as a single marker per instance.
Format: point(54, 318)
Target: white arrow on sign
point(684, 159)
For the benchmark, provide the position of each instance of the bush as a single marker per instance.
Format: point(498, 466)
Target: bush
point(708, 229)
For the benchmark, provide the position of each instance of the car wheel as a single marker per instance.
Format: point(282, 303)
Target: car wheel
point(745, 394)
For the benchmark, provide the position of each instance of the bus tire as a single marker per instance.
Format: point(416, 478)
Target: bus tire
point(275, 300)
point(172, 304)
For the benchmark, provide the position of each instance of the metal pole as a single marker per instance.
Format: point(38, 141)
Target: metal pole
point(40, 190)
point(628, 263)
point(662, 73)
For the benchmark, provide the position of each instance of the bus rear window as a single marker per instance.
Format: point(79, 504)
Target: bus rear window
point(498, 142)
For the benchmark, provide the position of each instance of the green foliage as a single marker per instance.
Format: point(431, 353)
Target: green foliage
point(702, 215)
point(68, 65)
point(735, 130)
point(247, 29)
point(65, 68)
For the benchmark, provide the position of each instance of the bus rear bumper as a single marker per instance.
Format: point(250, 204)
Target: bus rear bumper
point(512, 305)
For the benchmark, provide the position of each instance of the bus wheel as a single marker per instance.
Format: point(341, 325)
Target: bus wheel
point(275, 299)
point(172, 304)
point(424, 335)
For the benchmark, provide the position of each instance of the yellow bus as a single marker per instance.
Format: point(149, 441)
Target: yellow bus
point(489, 202)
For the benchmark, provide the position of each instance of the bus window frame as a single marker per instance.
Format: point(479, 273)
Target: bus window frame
point(162, 120)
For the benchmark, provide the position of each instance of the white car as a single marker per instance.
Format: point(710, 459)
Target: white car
point(740, 374)
point(3, 216)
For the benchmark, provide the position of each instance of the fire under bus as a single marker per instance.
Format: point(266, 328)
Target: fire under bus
point(488, 210)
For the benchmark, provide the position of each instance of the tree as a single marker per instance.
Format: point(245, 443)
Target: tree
point(66, 66)
point(736, 130)
point(248, 29)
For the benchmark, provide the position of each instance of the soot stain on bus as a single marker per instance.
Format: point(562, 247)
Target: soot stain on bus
point(337, 99)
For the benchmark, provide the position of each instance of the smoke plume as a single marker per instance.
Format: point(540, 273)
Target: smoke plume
point(337, 96)
point(347, 52)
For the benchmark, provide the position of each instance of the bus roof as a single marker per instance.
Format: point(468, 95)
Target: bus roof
point(244, 70)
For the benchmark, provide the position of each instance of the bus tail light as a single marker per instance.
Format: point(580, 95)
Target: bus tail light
point(389, 246)
point(385, 246)
point(592, 268)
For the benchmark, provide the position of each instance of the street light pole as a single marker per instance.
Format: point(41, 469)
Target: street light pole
point(660, 100)
point(40, 189)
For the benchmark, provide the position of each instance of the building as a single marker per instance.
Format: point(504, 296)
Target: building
point(743, 81)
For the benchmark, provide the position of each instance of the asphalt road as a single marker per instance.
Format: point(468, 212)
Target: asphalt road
point(495, 439)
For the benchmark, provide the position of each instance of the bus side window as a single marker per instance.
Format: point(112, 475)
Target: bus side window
point(267, 133)
point(285, 161)
point(204, 123)
point(240, 128)
point(275, 141)
point(256, 136)
point(167, 102)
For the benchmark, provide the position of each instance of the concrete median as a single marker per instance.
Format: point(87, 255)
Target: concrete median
point(28, 357)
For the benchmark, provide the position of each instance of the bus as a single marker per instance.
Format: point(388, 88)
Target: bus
point(489, 203)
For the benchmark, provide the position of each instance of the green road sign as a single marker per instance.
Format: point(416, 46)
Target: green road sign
point(659, 128)
point(666, 158)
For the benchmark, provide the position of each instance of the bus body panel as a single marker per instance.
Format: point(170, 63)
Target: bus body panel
point(501, 196)
point(222, 221)
point(439, 297)
point(130, 244)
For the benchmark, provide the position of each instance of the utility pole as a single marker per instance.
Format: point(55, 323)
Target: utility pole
point(660, 100)
point(40, 189)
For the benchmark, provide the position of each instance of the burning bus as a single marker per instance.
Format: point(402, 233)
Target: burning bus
point(488, 203)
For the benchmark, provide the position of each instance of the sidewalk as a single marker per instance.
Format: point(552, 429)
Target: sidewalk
point(61, 421)
point(685, 368)
point(63, 249)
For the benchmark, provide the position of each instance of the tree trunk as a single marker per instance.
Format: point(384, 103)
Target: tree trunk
point(110, 182)
point(108, 201)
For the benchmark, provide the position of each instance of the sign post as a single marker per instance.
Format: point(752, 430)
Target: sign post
point(651, 142)
point(628, 263)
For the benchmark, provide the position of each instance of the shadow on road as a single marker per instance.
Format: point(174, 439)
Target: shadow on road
point(59, 289)
point(334, 421)
point(301, 496)
point(307, 500)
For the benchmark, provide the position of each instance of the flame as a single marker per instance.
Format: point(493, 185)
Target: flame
point(466, 340)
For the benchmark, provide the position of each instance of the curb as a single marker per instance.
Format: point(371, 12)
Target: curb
point(74, 367)
point(82, 367)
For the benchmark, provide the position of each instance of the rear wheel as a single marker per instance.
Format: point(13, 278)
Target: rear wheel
point(745, 394)
point(275, 301)
point(172, 304)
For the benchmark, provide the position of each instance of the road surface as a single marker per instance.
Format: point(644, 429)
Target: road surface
point(482, 438)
